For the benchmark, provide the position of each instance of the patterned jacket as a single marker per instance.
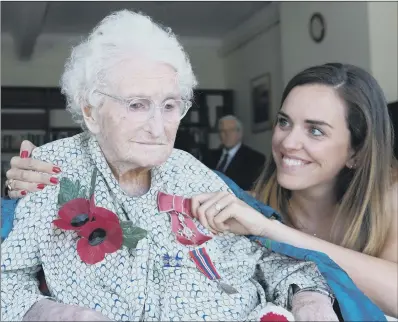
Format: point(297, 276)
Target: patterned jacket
point(140, 284)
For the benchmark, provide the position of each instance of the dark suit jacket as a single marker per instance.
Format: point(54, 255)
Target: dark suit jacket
point(244, 168)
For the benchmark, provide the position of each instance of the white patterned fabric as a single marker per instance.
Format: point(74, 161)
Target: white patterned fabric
point(155, 282)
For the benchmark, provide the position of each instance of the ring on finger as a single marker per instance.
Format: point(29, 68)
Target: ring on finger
point(218, 207)
point(9, 184)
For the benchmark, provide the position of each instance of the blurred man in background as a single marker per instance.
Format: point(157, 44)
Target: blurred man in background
point(236, 160)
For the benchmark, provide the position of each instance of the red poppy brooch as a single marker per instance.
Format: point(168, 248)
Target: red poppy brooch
point(99, 229)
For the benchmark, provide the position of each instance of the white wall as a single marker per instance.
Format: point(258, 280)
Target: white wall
point(46, 65)
point(360, 33)
point(383, 32)
point(206, 62)
point(346, 39)
point(250, 51)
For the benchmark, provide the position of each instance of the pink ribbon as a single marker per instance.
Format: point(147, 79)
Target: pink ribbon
point(177, 206)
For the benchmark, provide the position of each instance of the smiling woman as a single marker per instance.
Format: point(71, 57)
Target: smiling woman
point(332, 177)
point(333, 138)
point(333, 174)
point(311, 140)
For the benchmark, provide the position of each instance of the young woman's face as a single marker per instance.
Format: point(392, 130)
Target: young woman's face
point(311, 140)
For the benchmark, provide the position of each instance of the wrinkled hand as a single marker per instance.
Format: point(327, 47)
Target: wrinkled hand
point(313, 306)
point(222, 211)
point(46, 310)
point(29, 175)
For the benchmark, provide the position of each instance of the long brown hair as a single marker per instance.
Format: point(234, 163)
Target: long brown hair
point(363, 209)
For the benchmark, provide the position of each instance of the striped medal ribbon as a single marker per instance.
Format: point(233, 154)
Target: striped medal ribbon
point(205, 265)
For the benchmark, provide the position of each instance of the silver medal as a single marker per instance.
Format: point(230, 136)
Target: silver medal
point(227, 288)
point(185, 231)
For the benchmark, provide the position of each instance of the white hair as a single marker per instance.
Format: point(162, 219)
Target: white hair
point(120, 36)
point(239, 124)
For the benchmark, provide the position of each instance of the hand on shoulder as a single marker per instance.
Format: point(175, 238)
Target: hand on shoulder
point(27, 174)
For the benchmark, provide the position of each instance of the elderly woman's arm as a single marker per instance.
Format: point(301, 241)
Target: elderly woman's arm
point(46, 310)
point(20, 261)
point(296, 285)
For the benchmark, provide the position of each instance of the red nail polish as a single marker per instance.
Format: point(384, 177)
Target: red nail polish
point(24, 154)
point(23, 193)
point(54, 180)
point(41, 186)
point(56, 170)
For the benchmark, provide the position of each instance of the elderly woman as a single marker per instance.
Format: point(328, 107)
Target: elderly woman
point(114, 238)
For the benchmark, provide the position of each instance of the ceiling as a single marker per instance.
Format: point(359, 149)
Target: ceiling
point(186, 18)
point(27, 20)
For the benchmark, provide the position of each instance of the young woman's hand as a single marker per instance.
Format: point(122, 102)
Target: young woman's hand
point(222, 211)
point(27, 174)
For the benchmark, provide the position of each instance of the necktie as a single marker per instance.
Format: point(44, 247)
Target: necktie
point(223, 163)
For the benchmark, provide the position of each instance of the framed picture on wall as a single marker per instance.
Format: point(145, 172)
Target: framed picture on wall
point(261, 103)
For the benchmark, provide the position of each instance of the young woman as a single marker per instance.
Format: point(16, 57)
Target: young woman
point(332, 177)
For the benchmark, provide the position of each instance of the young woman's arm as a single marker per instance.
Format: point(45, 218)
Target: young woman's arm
point(376, 277)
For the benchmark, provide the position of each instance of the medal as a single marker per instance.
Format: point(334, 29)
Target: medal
point(182, 224)
point(227, 288)
point(205, 265)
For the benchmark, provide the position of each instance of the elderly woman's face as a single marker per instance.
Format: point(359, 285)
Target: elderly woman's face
point(127, 138)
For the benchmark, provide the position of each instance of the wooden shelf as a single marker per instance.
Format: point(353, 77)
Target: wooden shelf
point(65, 129)
point(27, 121)
point(10, 151)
